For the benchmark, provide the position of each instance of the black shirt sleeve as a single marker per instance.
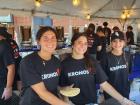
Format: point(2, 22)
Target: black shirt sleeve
point(98, 41)
point(28, 73)
point(104, 63)
point(63, 80)
point(100, 74)
point(129, 60)
point(7, 55)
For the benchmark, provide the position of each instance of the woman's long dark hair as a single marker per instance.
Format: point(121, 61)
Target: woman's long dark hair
point(42, 30)
point(89, 63)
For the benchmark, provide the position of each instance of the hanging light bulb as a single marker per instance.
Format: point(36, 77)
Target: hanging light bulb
point(38, 3)
point(88, 16)
point(128, 14)
point(75, 2)
point(123, 16)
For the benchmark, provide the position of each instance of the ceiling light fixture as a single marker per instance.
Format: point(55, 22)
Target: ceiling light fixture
point(125, 14)
point(38, 3)
point(75, 2)
point(88, 16)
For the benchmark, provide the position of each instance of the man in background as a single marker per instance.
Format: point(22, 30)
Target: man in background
point(130, 35)
point(17, 57)
point(94, 43)
point(107, 32)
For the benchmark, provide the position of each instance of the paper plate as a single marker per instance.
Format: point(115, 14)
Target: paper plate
point(70, 92)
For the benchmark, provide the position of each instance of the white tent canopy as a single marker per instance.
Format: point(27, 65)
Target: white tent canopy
point(106, 9)
point(96, 8)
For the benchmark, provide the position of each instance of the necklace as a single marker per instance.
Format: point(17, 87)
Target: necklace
point(118, 59)
point(43, 62)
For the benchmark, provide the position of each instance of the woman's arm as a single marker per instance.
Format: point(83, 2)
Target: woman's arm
point(45, 95)
point(111, 91)
point(7, 93)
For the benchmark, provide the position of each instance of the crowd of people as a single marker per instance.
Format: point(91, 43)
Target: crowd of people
point(38, 75)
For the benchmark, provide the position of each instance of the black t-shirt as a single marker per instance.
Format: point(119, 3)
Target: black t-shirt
point(6, 58)
point(34, 70)
point(107, 32)
point(17, 57)
point(117, 70)
point(14, 47)
point(74, 72)
point(101, 53)
point(93, 42)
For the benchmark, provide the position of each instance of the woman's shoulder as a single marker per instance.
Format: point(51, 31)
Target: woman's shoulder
point(91, 57)
point(31, 57)
point(127, 54)
point(55, 59)
point(67, 59)
point(108, 54)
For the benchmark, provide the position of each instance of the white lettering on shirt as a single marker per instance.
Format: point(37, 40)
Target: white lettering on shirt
point(118, 67)
point(77, 73)
point(51, 75)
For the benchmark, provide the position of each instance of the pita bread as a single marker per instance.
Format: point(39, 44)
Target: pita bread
point(70, 92)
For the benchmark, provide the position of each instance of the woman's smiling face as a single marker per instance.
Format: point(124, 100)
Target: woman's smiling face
point(48, 42)
point(80, 45)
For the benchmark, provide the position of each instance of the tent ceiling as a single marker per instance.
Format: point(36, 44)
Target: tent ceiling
point(97, 8)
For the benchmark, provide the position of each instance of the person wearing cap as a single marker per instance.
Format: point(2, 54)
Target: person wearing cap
point(130, 35)
point(7, 69)
point(116, 65)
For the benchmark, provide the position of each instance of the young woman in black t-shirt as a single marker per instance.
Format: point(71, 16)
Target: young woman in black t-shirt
point(116, 65)
point(84, 72)
point(40, 72)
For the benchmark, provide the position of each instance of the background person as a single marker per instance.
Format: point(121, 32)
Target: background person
point(115, 29)
point(130, 35)
point(17, 57)
point(100, 33)
point(107, 32)
point(7, 70)
point(94, 43)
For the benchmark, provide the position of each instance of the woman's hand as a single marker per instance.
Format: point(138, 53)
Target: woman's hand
point(125, 101)
point(7, 93)
point(46, 95)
